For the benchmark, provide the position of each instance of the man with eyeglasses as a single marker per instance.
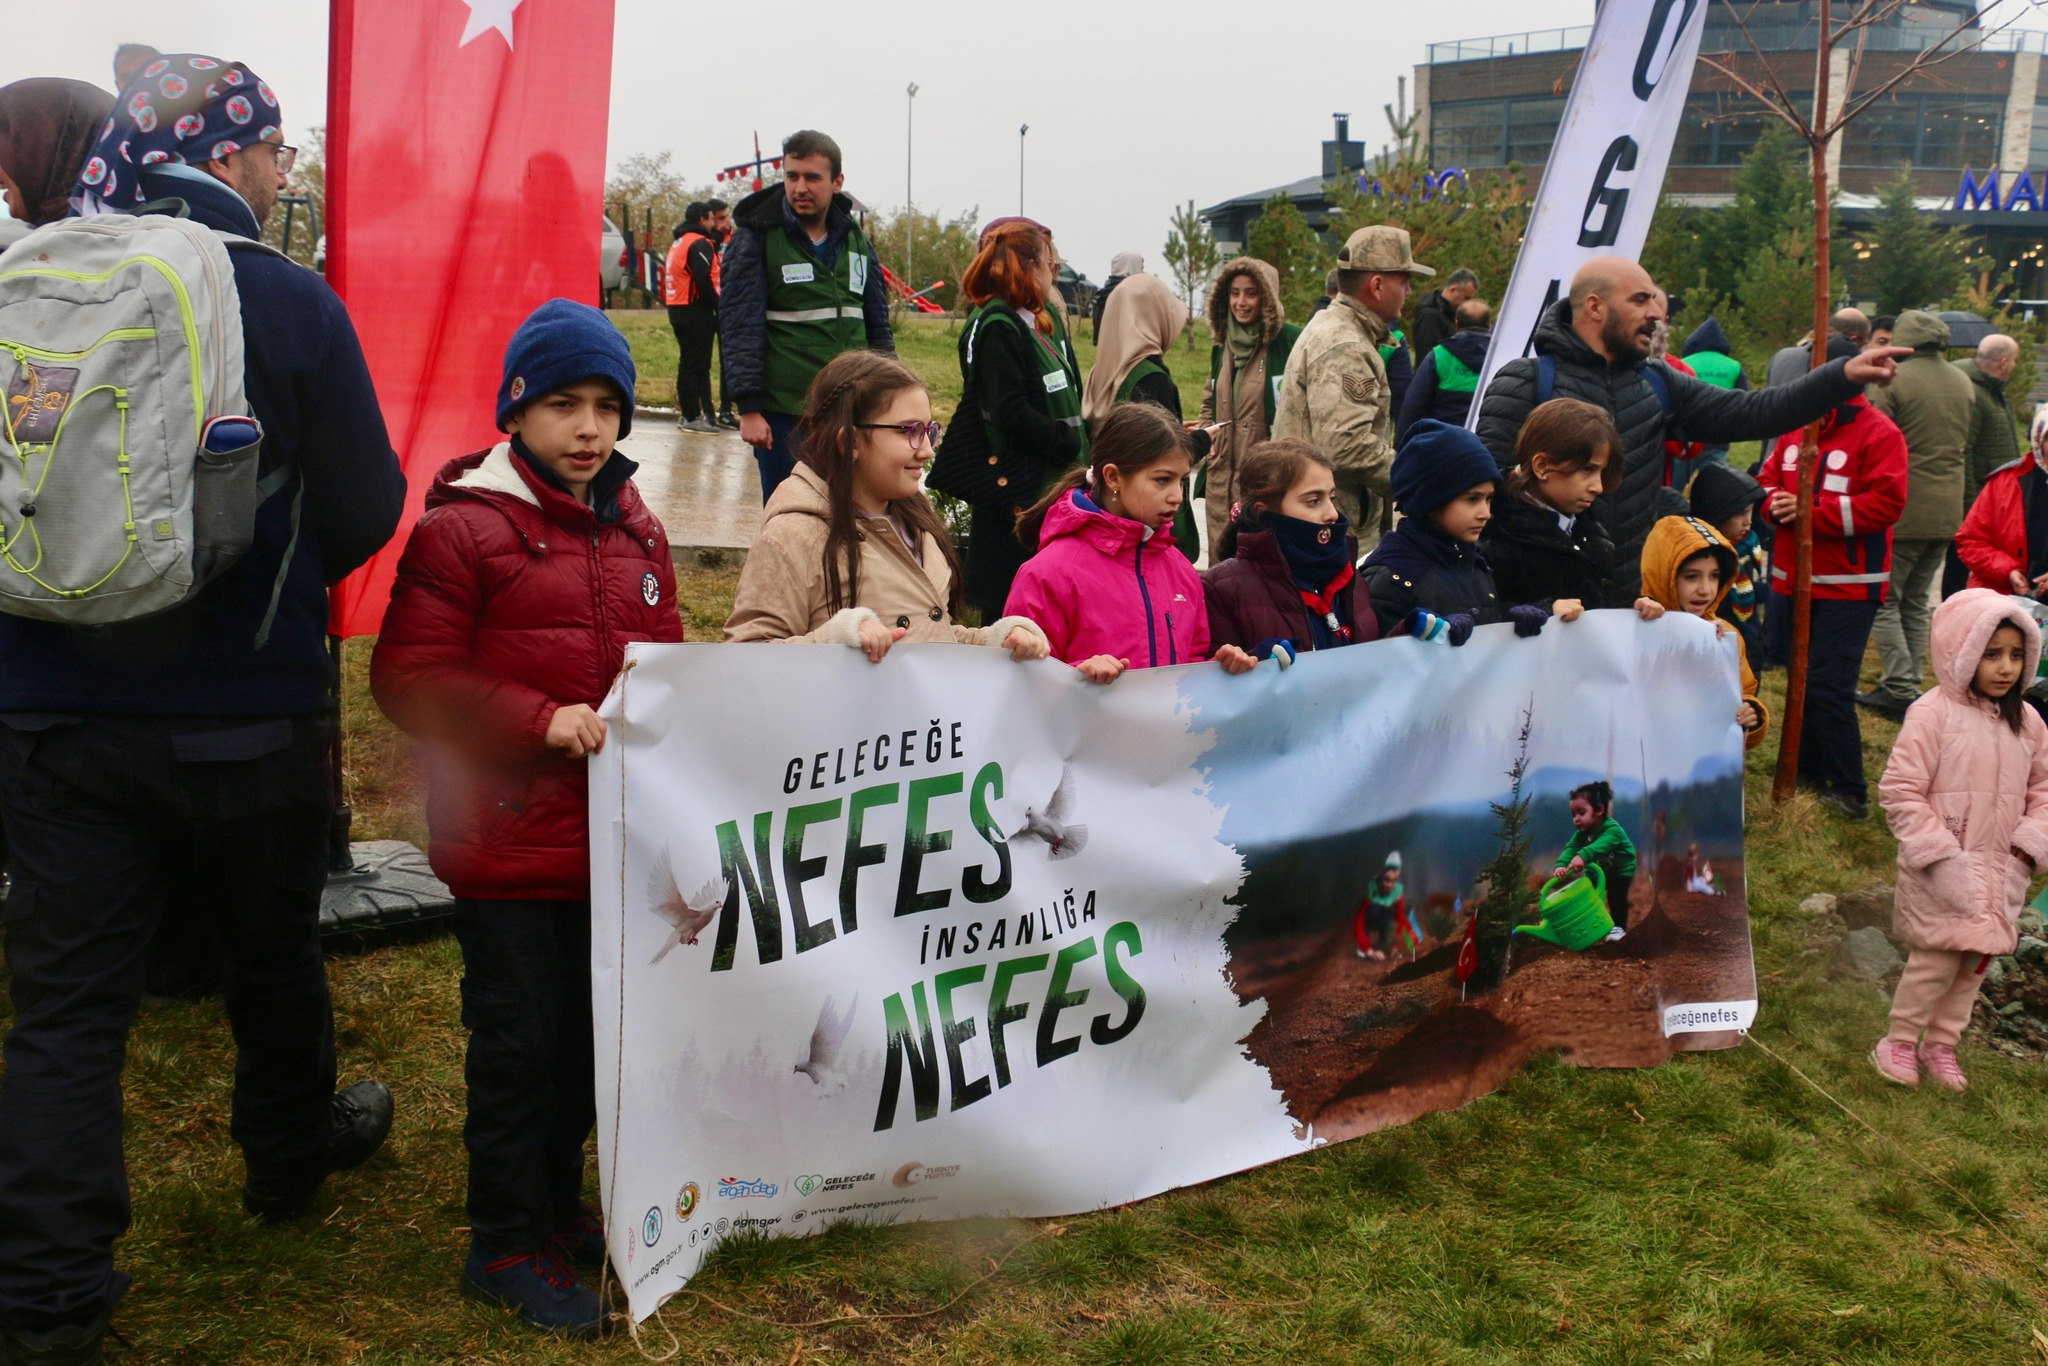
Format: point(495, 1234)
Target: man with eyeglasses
point(191, 739)
point(800, 285)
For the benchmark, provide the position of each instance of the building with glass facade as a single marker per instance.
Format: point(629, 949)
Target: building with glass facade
point(1486, 102)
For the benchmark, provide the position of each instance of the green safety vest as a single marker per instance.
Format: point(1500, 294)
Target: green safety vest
point(1453, 376)
point(1057, 371)
point(814, 311)
point(1396, 339)
point(1714, 368)
point(1277, 352)
point(1148, 366)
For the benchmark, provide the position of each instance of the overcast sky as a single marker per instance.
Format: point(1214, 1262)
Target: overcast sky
point(1134, 106)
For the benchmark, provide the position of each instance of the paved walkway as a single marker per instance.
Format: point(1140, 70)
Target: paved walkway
point(704, 488)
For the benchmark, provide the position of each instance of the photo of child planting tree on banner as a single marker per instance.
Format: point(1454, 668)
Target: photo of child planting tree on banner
point(987, 939)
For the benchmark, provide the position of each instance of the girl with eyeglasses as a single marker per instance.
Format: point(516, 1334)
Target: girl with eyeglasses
point(850, 551)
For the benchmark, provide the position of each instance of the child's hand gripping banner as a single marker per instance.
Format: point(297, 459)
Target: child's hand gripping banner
point(951, 936)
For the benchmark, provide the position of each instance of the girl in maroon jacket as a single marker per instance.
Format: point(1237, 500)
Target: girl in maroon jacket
point(533, 566)
point(1285, 578)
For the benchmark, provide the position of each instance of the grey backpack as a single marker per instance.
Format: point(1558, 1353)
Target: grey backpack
point(128, 459)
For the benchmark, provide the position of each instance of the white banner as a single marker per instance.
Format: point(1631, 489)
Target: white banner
point(953, 936)
point(1606, 169)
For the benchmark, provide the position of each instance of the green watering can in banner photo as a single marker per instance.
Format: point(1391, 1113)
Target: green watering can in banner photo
point(1574, 915)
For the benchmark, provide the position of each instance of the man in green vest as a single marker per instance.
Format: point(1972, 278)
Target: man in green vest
point(1335, 393)
point(1448, 376)
point(800, 284)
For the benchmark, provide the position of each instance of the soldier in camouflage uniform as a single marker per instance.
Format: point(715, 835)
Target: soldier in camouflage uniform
point(1335, 394)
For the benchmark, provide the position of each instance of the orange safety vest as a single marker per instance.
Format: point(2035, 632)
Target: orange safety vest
point(677, 285)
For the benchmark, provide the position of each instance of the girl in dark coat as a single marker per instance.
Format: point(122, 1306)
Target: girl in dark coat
point(1285, 581)
point(1543, 543)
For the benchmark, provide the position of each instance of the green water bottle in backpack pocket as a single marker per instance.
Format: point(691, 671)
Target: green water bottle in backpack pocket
point(128, 457)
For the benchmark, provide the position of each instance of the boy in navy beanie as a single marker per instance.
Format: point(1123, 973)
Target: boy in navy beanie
point(532, 567)
point(1426, 576)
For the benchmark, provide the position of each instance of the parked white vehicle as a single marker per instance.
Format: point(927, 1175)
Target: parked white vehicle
point(611, 261)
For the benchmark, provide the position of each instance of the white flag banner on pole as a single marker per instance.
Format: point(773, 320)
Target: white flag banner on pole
point(1606, 169)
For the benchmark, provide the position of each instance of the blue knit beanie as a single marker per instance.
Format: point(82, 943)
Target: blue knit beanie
point(563, 343)
point(1435, 463)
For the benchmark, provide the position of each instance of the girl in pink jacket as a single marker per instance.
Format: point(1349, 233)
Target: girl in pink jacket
point(1108, 586)
point(1966, 792)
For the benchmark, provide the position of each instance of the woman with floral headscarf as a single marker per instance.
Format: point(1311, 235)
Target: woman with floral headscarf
point(47, 129)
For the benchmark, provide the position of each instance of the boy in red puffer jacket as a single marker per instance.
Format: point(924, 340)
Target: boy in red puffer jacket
point(533, 566)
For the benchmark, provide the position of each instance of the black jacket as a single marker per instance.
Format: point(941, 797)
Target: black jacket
point(1699, 412)
point(743, 282)
point(1012, 392)
point(1435, 320)
point(1415, 565)
point(1159, 389)
point(1425, 397)
point(1536, 560)
point(308, 385)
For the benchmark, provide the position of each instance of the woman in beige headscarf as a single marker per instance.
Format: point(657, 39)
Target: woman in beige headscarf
point(1253, 339)
point(1142, 319)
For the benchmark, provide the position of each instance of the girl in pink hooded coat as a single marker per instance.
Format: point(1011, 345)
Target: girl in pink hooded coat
point(1108, 586)
point(1966, 792)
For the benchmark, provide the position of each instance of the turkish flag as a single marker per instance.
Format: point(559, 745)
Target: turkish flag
point(465, 187)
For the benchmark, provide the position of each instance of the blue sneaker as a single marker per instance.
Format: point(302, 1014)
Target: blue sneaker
point(539, 1285)
point(581, 1242)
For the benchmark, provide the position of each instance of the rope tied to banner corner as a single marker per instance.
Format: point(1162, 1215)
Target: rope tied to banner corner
point(619, 1078)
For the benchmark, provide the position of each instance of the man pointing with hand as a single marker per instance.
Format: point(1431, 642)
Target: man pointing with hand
point(1594, 345)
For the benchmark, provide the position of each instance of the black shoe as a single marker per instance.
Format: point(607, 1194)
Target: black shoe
point(70, 1344)
point(1885, 704)
point(728, 421)
point(358, 1120)
point(1847, 807)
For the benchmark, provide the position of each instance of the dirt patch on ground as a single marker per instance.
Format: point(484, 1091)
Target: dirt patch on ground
point(1357, 1046)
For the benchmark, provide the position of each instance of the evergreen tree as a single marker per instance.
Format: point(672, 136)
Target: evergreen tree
point(1914, 264)
point(1773, 192)
point(1282, 238)
point(1192, 256)
point(1508, 898)
point(1775, 288)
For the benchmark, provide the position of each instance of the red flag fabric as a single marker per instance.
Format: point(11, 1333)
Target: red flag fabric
point(465, 186)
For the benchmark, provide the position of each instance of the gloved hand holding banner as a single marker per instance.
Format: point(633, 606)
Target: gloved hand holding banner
point(952, 936)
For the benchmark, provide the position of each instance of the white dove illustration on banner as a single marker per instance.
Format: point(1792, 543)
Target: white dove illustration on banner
point(821, 1064)
point(684, 916)
point(1062, 839)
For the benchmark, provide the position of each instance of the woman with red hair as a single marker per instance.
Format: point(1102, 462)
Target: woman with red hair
point(1018, 426)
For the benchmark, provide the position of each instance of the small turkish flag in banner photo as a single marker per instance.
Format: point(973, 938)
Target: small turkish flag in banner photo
point(465, 187)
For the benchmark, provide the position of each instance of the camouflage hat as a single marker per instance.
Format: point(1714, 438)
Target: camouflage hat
point(1383, 249)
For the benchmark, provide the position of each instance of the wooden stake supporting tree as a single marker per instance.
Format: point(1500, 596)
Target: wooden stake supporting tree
point(1817, 127)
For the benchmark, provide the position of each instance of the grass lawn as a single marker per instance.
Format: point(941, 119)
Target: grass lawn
point(930, 346)
point(1715, 1209)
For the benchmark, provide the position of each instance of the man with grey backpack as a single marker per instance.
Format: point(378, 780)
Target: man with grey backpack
point(191, 452)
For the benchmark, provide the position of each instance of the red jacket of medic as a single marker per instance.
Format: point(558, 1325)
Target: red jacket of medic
point(1857, 497)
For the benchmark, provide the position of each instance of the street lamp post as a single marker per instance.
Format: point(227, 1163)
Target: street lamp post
point(909, 204)
point(1022, 129)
